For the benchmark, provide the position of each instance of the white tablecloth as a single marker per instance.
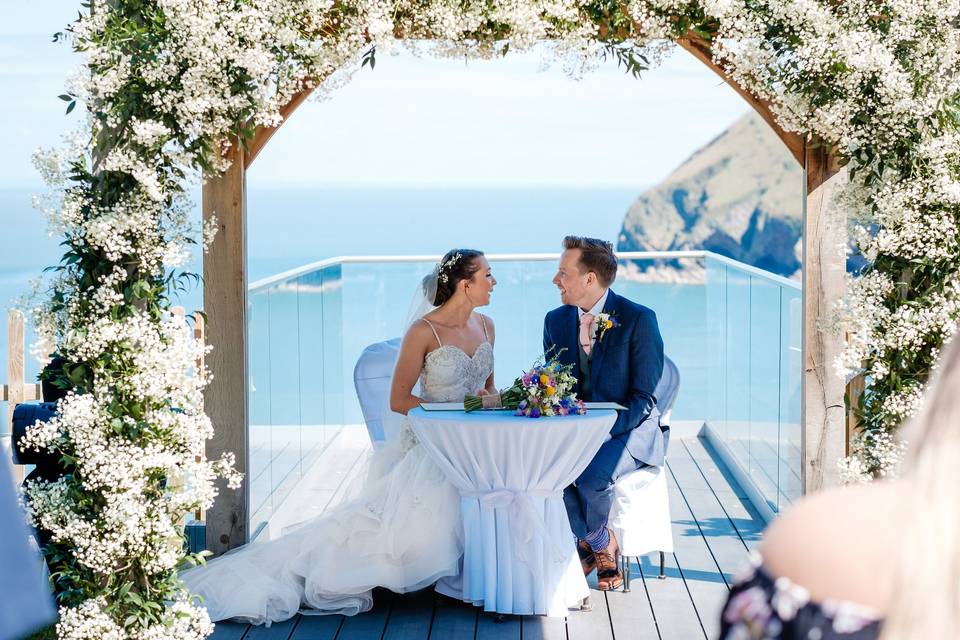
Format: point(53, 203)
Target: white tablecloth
point(519, 553)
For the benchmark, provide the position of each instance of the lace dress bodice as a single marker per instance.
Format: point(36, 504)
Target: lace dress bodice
point(449, 374)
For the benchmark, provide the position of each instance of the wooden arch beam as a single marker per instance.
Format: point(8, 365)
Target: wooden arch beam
point(262, 135)
point(700, 50)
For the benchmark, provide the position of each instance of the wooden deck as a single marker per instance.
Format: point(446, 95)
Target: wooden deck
point(714, 529)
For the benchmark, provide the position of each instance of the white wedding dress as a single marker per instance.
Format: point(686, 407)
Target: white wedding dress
point(401, 529)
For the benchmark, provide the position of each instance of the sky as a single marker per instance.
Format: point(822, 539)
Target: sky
point(419, 122)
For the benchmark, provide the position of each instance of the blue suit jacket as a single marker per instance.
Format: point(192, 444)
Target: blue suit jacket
point(626, 367)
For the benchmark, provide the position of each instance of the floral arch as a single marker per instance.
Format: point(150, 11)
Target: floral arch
point(176, 89)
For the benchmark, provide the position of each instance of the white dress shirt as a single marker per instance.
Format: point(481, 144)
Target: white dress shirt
point(596, 310)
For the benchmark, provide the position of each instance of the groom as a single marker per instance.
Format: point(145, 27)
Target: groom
point(616, 350)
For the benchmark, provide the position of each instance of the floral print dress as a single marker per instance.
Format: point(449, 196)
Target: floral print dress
point(762, 607)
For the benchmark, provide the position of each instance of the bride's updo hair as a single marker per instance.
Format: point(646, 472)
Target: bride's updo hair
point(456, 265)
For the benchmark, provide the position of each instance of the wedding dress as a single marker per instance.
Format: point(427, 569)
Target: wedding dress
point(401, 529)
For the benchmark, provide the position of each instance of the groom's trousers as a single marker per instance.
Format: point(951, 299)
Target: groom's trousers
point(589, 498)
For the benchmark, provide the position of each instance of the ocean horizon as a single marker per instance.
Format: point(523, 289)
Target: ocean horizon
point(290, 226)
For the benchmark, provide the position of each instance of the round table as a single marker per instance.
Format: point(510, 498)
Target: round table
point(519, 553)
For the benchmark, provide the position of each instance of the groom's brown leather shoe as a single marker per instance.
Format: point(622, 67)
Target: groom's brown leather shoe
point(609, 576)
point(588, 559)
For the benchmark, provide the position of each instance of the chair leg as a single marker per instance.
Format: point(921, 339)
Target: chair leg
point(662, 576)
point(625, 562)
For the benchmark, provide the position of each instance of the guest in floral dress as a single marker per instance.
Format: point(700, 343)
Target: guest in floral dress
point(878, 561)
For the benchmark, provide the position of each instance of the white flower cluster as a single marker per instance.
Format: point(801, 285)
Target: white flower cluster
point(90, 621)
point(876, 455)
point(119, 458)
point(841, 67)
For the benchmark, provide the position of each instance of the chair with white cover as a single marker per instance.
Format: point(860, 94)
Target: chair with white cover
point(371, 378)
point(640, 515)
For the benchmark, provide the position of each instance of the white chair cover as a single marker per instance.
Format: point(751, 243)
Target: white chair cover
point(640, 514)
point(371, 378)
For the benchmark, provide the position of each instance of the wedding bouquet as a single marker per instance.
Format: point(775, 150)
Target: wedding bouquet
point(545, 390)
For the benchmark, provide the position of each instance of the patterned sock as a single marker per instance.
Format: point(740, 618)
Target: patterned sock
point(599, 539)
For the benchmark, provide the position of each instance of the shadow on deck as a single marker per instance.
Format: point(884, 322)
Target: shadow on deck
point(714, 527)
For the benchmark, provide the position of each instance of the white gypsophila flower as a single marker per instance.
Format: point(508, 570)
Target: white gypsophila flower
point(852, 471)
point(210, 227)
point(874, 455)
point(903, 404)
point(148, 132)
point(89, 621)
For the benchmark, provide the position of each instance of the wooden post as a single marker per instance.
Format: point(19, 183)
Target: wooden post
point(855, 389)
point(15, 387)
point(15, 347)
point(824, 432)
point(225, 300)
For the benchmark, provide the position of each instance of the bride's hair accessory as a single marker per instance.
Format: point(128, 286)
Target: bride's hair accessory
point(446, 265)
point(456, 265)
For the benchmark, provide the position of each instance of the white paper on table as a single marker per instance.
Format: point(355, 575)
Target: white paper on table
point(616, 406)
point(442, 406)
point(458, 406)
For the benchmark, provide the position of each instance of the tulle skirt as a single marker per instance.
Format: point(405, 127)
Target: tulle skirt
point(398, 528)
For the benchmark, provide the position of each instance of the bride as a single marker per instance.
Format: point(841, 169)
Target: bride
point(401, 529)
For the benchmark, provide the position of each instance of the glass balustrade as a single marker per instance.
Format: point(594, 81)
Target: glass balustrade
point(753, 327)
point(732, 330)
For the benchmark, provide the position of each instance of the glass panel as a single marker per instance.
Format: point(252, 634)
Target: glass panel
point(284, 391)
point(680, 307)
point(523, 297)
point(333, 378)
point(312, 366)
point(738, 365)
point(764, 396)
point(258, 323)
point(375, 300)
point(716, 329)
point(791, 399)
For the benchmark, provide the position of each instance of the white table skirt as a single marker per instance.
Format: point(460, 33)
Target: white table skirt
point(519, 553)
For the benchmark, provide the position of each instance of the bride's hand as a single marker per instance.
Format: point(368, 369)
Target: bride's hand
point(481, 393)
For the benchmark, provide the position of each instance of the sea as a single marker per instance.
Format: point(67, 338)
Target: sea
point(290, 226)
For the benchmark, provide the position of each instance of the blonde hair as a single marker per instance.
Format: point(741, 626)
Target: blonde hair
point(926, 594)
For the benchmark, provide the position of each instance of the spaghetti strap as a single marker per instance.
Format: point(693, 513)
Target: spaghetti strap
point(432, 328)
point(483, 323)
